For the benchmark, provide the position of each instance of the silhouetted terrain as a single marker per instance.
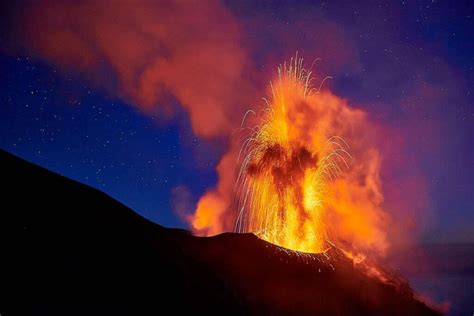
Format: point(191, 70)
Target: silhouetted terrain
point(70, 249)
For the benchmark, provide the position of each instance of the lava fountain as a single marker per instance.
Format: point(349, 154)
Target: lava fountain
point(292, 179)
point(282, 178)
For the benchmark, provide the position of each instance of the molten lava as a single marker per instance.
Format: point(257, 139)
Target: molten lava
point(298, 184)
point(283, 175)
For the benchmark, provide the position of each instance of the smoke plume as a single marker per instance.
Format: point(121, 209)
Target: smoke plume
point(190, 50)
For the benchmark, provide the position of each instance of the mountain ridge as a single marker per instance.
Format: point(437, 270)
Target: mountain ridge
point(71, 249)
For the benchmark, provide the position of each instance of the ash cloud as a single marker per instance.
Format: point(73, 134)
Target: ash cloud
point(190, 50)
point(181, 201)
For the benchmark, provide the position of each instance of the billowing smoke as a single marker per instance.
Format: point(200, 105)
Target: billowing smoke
point(181, 201)
point(190, 50)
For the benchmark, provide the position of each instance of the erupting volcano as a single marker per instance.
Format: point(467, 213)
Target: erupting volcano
point(332, 186)
point(101, 257)
point(283, 175)
point(297, 184)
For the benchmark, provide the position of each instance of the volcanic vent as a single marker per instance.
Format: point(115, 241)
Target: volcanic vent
point(303, 172)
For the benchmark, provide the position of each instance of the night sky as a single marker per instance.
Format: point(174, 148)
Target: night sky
point(408, 64)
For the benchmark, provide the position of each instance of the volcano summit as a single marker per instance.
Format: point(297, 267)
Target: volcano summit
point(70, 249)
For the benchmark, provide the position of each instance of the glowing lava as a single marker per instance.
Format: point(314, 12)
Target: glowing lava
point(293, 180)
point(283, 175)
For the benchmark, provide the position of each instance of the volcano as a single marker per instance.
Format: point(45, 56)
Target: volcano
point(68, 249)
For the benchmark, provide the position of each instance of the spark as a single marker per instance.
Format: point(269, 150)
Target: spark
point(281, 181)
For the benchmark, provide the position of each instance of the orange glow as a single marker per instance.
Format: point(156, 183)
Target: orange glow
point(149, 51)
point(204, 213)
point(307, 175)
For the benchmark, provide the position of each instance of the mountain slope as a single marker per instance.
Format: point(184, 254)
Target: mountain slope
point(70, 249)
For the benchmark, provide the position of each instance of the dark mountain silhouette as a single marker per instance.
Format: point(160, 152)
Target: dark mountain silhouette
point(68, 249)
